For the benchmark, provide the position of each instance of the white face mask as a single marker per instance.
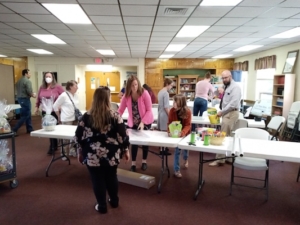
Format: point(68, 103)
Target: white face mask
point(48, 80)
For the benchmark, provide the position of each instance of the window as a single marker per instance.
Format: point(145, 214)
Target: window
point(264, 84)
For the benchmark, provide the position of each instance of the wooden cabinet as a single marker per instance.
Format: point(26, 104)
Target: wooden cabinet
point(283, 94)
point(186, 85)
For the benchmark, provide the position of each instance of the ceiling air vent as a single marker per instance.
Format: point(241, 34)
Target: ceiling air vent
point(175, 11)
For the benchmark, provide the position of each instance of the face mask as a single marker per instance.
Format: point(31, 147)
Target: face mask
point(48, 80)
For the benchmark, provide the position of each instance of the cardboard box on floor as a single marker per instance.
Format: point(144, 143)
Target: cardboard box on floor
point(136, 179)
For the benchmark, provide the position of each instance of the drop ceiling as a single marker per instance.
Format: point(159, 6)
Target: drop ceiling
point(140, 28)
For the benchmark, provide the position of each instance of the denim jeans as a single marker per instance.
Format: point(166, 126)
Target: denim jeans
point(200, 105)
point(25, 115)
point(185, 155)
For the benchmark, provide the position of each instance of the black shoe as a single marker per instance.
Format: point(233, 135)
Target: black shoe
point(15, 134)
point(101, 210)
point(133, 168)
point(113, 204)
point(144, 166)
point(166, 152)
point(28, 132)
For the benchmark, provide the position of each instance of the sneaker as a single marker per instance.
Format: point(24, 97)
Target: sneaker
point(178, 174)
point(214, 163)
point(186, 164)
point(72, 152)
point(64, 158)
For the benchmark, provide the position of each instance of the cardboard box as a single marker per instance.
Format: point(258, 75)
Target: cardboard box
point(136, 179)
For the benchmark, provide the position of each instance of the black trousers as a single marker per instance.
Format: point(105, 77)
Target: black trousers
point(53, 141)
point(134, 148)
point(104, 178)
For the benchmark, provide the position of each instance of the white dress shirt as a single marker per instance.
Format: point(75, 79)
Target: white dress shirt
point(64, 104)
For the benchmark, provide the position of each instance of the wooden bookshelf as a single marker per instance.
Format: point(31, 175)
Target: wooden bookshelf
point(187, 85)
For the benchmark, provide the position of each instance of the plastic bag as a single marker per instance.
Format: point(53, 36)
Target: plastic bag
point(49, 122)
point(175, 128)
point(4, 126)
point(48, 104)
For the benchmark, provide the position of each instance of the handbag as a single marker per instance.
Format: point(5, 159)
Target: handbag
point(77, 112)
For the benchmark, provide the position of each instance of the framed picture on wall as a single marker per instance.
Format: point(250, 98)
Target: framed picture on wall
point(290, 62)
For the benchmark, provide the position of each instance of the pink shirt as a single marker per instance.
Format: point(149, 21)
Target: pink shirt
point(202, 89)
point(47, 93)
point(145, 108)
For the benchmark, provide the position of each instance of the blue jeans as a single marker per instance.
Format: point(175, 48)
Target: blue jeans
point(200, 105)
point(185, 155)
point(25, 115)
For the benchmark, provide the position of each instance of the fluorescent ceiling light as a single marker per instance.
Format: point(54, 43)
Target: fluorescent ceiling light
point(68, 13)
point(48, 38)
point(221, 56)
point(191, 31)
point(175, 47)
point(3, 56)
point(165, 56)
point(103, 68)
point(288, 34)
point(106, 52)
point(40, 51)
point(220, 2)
point(247, 48)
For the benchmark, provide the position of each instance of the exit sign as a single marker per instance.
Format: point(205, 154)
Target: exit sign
point(98, 60)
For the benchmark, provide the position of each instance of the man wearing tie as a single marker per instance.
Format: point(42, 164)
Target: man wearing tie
point(229, 105)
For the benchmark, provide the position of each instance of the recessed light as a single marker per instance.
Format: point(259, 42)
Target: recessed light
point(3, 56)
point(191, 31)
point(49, 38)
point(220, 2)
point(221, 56)
point(175, 47)
point(288, 34)
point(247, 48)
point(68, 13)
point(106, 52)
point(165, 56)
point(40, 51)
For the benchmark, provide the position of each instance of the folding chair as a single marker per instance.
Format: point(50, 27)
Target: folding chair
point(114, 106)
point(276, 124)
point(240, 123)
point(248, 163)
point(292, 123)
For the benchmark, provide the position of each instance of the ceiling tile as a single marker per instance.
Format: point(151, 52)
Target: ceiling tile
point(259, 3)
point(221, 28)
point(30, 8)
point(106, 19)
point(109, 27)
point(101, 10)
point(142, 2)
point(289, 23)
point(5, 10)
point(232, 21)
point(11, 31)
point(23, 25)
point(138, 10)
point(290, 3)
point(53, 31)
point(4, 26)
point(278, 12)
point(113, 33)
point(163, 34)
point(41, 18)
point(200, 21)
point(262, 22)
point(112, 2)
point(12, 18)
point(169, 21)
point(247, 11)
point(137, 28)
point(179, 2)
point(133, 38)
point(138, 34)
point(210, 11)
point(166, 28)
point(138, 20)
point(54, 26)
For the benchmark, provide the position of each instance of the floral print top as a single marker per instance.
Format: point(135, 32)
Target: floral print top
point(102, 148)
point(135, 113)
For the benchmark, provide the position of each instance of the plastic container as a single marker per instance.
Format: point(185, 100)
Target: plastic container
point(279, 102)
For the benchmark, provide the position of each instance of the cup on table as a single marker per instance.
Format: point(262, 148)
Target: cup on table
point(206, 139)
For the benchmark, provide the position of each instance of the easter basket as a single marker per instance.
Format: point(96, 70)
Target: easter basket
point(216, 140)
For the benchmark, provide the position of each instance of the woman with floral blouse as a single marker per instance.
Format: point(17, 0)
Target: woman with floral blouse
point(102, 140)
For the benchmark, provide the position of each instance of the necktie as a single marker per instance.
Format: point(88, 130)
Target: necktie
point(222, 97)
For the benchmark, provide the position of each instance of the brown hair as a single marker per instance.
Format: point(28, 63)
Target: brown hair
point(100, 110)
point(208, 75)
point(181, 105)
point(128, 86)
point(167, 81)
point(70, 84)
point(44, 83)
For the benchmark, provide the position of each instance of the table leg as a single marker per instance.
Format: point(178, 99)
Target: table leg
point(53, 159)
point(164, 167)
point(200, 176)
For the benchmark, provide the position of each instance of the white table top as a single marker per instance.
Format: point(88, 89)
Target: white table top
point(273, 150)
point(60, 132)
point(14, 106)
point(152, 138)
point(205, 121)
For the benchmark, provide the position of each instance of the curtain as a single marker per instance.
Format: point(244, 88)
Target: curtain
point(241, 66)
point(265, 63)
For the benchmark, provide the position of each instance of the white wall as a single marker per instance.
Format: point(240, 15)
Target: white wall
point(281, 54)
point(74, 68)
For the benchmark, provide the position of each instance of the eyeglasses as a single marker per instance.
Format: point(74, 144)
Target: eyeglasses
point(224, 78)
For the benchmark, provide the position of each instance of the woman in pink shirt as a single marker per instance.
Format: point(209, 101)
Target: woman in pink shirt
point(140, 117)
point(203, 88)
point(49, 89)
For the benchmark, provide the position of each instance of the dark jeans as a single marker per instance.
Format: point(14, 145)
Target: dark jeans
point(104, 178)
point(200, 105)
point(25, 115)
point(134, 148)
point(53, 141)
